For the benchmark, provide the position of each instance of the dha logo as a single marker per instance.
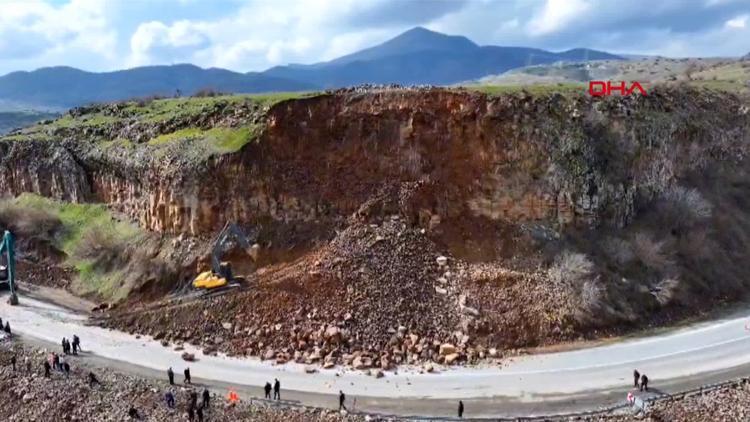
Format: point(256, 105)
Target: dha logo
point(606, 88)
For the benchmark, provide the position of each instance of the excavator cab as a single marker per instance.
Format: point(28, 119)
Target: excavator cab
point(221, 274)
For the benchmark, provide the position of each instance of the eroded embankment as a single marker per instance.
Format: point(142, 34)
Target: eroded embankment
point(558, 215)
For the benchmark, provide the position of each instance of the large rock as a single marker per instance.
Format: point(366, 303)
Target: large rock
point(447, 349)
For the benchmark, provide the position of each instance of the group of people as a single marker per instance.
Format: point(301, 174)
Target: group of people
point(6, 328)
point(193, 408)
point(69, 347)
point(186, 373)
point(640, 381)
point(56, 362)
point(276, 390)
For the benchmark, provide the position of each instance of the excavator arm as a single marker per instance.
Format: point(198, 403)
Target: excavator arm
point(230, 229)
point(221, 274)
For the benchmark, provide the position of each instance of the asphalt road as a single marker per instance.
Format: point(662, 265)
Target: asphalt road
point(529, 385)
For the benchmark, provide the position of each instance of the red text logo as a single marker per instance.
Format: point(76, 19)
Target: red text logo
point(606, 88)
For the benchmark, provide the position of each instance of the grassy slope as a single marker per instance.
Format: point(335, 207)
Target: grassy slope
point(79, 223)
point(219, 140)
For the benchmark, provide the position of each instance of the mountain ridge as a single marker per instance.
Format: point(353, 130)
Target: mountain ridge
point(417, 56)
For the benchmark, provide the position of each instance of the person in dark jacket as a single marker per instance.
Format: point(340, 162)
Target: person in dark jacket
point(169, 398)
point(76, 344)
point(342, 399)
point(460, 409)
point(206, 398)
point(187, 376)
point(93, 379)
point(276, 389)
point(644, 382)
point(170, 375)
point(268, 390)
point(7, 327)
point(66, 368)
point(636, 378)
point(46, 369)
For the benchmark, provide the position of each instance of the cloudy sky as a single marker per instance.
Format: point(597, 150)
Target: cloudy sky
point(246, 35)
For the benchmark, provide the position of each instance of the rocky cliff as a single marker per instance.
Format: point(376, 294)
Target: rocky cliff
point(392, 221)
point(513, 158)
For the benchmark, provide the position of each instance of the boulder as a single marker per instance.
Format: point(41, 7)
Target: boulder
point(188, 357)
point(451, 358)
point(447, 349)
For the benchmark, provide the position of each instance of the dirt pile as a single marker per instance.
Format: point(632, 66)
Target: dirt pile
point(377, 295)
point(28, 396)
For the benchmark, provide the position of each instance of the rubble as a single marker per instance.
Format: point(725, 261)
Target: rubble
point(28, 397)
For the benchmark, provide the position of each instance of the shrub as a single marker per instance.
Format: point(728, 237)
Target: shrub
point(207, 92)
point(27, 221)
point(571, 268)
point(666, 290)
point(650, 252)
point(686, 206)
point(592, 296)
point(618, 250)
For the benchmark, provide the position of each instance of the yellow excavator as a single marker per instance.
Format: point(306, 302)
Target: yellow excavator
point(220, 274)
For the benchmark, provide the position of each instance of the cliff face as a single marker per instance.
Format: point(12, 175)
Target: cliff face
point(513, 158)
point(550, 213)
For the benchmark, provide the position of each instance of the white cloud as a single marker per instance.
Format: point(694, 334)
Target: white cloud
point(556, 15)
point(737, 23)
point(79, 26)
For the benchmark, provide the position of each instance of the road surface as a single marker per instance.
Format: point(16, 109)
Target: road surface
point(533, 384)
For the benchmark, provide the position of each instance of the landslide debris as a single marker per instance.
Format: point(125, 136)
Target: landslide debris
point(393, 224)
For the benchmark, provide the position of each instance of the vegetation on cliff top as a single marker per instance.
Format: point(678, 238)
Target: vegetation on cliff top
point(89, 237)
point(220, 123)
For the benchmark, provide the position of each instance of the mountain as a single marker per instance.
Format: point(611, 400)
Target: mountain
point(421, 56)
point(418, 56)
point(66, 87)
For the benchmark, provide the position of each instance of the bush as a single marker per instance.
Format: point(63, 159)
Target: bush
point(618, 250)
point(666, 290)
point(208, 92)
point(27, 221)
point(686, 207)
point(650, 252)
point(571, 268)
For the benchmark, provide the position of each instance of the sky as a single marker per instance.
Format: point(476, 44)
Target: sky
point(253, 35)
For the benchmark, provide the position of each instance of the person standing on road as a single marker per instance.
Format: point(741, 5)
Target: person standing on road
point(276, 389)
point(268, 390)
point(644, 382)
point(460, 409)
point(342, 399)
point(636, 378)
point(170, 375)
point(187, 376)
point(76, 344)
point(7, 327)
